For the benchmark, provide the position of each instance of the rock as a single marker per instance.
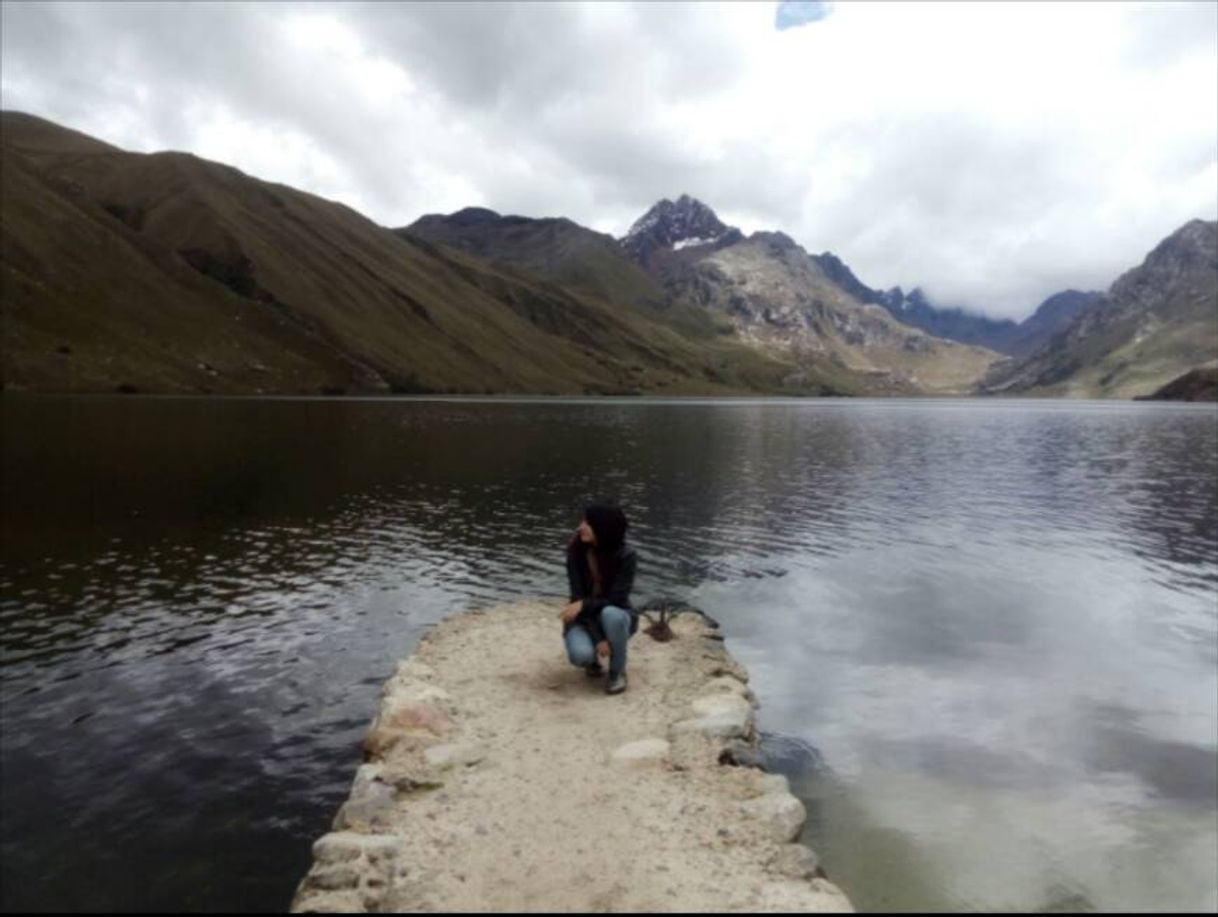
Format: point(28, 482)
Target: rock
point(336, 847)
point(344, 846)
point(740, 754)
point(642, 751)
point(796, 861)
point(771, 783)
point(720, 726)
point(792, 896)
point(715, 704)
point(365, 776)
point(407, 783)
point(410, 711)
point(351, 870)
point(728, 684)
point(370, 803)
point(781, 814)
point(725, 716)
point(333, 878)
point(731, 668)
point(453, 754)
point(378, 847)
point(331, 903)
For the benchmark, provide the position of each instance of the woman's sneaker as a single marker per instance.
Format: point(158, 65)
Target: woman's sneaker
point(594, 670)
point(616, 685)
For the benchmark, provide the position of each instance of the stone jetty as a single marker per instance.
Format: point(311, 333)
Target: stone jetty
point(498, 777)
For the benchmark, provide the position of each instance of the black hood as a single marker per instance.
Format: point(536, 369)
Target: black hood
point(609, 524)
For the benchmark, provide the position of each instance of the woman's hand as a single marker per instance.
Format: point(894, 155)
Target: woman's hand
point(571, 611)
point(602, 648)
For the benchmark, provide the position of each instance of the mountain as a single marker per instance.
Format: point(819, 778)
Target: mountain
point(1200, 384)
point(1052, 316)
point(670, 227)
point(165, 273)
point(1156, 323)
point(584, 261)
point(954, 324)
point(836, 270)
point(790, 304)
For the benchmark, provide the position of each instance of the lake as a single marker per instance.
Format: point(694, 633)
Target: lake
point(984, 633)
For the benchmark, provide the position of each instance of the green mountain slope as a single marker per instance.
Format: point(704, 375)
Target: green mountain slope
point(573, 256)
point(165, 272)
point(585, 262)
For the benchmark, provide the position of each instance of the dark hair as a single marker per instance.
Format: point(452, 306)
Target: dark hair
point(609, 524)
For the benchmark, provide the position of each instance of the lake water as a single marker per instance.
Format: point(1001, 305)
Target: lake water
point(984, 633)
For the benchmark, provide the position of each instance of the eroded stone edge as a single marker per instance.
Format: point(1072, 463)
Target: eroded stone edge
point(353, 865)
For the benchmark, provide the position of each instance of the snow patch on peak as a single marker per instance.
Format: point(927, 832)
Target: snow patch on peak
point(689, 243)
point(670, 226)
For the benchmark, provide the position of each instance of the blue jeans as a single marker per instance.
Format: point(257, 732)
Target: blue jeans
point(615, 622)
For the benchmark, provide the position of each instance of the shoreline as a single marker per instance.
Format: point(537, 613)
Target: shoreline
point(650, 398)
point(498, 777)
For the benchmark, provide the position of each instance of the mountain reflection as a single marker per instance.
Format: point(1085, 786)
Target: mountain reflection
point(966, 614)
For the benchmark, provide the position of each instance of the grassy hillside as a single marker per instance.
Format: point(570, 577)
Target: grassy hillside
point(584, 261)
point(589, 264)
point(165, 272)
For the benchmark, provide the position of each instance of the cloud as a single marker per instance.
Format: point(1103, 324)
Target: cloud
point(991, 153)
point(792, 13)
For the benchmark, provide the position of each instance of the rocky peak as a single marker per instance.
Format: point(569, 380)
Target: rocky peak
point(1192, 245)
point(837, 271)
point(1060, 308)
point(897, 301)
point(1187, 257)
point(778, 243)
point(685, 223)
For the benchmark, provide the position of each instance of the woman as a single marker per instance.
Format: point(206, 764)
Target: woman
point(599, 621)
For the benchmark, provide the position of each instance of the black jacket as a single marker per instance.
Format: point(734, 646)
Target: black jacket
point(616, 593)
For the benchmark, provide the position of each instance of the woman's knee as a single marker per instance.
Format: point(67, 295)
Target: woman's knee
point(580, 655)
point(615, 619)
point(580, 652)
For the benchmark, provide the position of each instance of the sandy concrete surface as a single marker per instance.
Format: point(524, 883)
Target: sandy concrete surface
point(499, 777)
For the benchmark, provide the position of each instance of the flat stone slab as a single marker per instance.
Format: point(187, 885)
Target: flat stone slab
point(797, 861)
point(642, 751)
point(729, 724)
point(497, 777)
point(453, 754)
point(722, 703)
point(781, 815)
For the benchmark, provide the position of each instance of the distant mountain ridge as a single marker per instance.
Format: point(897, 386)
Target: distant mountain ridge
point(676, 259)
point(784, 301)
point(1155, 324)
point(164, 272)
point(671, 226)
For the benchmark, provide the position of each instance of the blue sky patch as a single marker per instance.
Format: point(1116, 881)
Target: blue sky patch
point(792, 13)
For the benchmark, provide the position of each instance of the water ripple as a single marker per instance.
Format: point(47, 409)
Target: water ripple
point(917, 587)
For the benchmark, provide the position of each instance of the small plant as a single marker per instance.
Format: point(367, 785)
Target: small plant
point(660, 611)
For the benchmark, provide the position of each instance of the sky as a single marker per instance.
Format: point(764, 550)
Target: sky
point(991, 153)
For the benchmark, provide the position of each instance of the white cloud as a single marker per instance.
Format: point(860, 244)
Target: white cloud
point(992, 153)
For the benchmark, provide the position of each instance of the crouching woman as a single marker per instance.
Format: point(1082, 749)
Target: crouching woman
point(599, 620)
